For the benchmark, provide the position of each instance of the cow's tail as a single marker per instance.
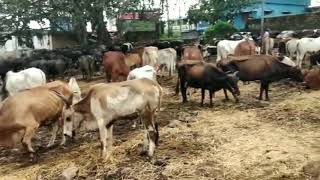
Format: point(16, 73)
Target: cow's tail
point(173, 64)
point(218, 53)
point(44, 80)
point(287, 50)
point(156, 124)
point(4, 91)
point(160, 97)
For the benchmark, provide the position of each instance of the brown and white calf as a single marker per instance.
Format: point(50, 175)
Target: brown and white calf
point(21, 115)
point(105, 103)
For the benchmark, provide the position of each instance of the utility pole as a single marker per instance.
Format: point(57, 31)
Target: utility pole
point(262, 17)
point(168, 23)
point(262, 23)
point(180, 23)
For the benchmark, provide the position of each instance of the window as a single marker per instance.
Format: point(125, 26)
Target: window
point(267, 12)
point(286, 12)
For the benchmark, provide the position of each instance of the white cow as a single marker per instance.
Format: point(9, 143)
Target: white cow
point(106, 103)
point(143, 72)
point(267, 45)
point(226, 47)
point(168, 58)
point(75, 89)
point(291, 47)
point(150, 56)
point(25, 79)
point(305, 46)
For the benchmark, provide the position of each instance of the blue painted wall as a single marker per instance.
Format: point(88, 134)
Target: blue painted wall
point(202, 26)
point(273, 8)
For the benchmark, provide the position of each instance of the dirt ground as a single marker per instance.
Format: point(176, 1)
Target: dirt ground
point(252, 139)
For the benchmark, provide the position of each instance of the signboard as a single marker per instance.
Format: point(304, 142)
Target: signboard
point(138, 26)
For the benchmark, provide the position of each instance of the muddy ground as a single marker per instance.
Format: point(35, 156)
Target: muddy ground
point(252, 139)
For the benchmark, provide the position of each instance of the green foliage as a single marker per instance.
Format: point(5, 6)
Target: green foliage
point(16, 15)
point(213, 10)
point(220, 30)
point(174, 36)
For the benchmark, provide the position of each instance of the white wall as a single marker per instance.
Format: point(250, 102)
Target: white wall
point(42, 43)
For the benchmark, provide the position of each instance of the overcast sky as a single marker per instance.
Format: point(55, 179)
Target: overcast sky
point(184, 6)
point(174, 7)
point(315, 2)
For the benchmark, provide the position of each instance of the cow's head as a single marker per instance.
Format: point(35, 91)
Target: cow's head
point(296, 74)
point(233, 82)
point(71, 121)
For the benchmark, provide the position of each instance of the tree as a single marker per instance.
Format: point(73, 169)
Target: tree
point(17, 14)
point(213, 10)
point(220, 30)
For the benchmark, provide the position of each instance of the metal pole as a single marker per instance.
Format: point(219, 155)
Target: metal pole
point(168, 23)
point(180, 23)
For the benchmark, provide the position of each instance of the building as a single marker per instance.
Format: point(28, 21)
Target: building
point(175, 26)
point(139, 25)
point(272, 8)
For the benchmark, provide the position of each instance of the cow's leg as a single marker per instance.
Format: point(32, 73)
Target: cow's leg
point(261, 90)
point(210, 93)
point(183, 91)
point(266, 88)
point(225, 94)
point(152, 132)
point(103, 136)
point(202, 96)
point(177, 87)
point(54, 132)
point(30, 131)
point(109, 140)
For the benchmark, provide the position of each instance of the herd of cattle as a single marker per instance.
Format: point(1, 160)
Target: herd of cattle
point(132, 91)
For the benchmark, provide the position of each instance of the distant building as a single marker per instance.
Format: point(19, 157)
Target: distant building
point(202, 26)
point(272, 8)
point(175, 25)
point(139, 25)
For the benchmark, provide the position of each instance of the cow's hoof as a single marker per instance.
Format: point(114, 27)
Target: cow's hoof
point(143, 153)
point(33, 158)
point(226, 100)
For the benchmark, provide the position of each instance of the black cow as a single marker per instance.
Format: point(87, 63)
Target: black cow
point(88, 66)
point(207, 77)
point(265, 68)
point(314, 59)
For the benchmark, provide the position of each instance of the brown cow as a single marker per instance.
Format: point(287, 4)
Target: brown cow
point(139, 51)
point(105, 103)
point(191, 53)
point(21, 116)
point(133, 60)
point(115, 66)
point(312, 79)
point(265, 68)
point(245, 48)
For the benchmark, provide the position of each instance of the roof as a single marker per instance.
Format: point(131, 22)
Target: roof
point(291, 2)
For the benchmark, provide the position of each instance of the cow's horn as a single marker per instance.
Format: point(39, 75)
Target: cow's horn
point(235, 73)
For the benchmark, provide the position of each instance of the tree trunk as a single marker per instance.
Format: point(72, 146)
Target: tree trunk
point(80, 25)
point(99, 26)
